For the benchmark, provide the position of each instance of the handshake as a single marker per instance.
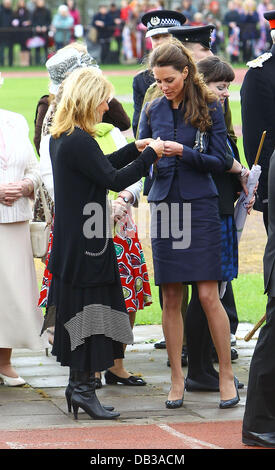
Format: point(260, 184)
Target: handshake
point(168, 148)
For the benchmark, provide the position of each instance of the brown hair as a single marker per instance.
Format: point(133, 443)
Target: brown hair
point(215, 69)
point(197, 96)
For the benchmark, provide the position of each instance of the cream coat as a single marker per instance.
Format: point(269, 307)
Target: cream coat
point(20, 162)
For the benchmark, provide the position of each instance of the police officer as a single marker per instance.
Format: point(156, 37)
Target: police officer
point(258, 115)
point(157, 23)
point(197, 39)
point(259, 417)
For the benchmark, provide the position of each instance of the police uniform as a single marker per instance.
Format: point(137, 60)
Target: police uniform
point(258, 115)
point(157, 22)
point(141, 83)
point(259, 417)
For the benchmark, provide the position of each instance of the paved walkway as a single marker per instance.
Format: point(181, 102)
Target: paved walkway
point(35, 416)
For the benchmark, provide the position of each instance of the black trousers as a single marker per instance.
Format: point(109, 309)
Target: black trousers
point(9, 45)
point(259, 413)
point(104, 50)
point(265, 216)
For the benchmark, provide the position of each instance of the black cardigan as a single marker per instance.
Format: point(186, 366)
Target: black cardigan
point(228, 185)
point(82, 174)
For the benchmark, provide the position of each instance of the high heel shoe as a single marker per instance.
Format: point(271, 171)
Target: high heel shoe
point(174, 403)
point(84, 397)
point(69, 391)
point(233, 401)
point(12, 381)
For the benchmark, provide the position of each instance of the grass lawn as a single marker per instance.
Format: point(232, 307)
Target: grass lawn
point(249, 297)
point(22, 94)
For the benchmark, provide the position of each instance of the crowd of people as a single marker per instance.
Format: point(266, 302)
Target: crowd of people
point(95, 275)
point(116, 33)
point(241, 31)
point(32, 25)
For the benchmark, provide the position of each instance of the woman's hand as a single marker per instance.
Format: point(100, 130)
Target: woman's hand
point(171, 148)
point(158, 146)
point(128, 195)
point(142, 143)
point(243, 177)
point(27, 187)
point(3, 188)
point(9, 193)
point(250, 204)
point(119, 209)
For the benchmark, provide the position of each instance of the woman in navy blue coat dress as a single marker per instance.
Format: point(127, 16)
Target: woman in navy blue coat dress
point(185, 222)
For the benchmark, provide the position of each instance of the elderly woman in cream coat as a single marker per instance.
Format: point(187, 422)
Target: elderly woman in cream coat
point(20, 318)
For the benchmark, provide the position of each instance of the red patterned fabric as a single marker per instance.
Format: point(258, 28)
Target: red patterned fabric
point(132, 268)
point(47, 277)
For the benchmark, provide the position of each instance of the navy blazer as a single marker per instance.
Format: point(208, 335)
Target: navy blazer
point(194, 167)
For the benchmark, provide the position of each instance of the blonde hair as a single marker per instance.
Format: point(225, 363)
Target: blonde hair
point(82, 92)
point(249, 6)
point(197, 95)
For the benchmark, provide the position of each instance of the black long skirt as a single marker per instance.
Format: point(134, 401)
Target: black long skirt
point(91, 325)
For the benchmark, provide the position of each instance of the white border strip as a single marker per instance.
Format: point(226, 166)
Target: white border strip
point(192, 442)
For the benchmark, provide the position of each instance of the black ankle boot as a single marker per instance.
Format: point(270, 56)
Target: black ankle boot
point(69, 390)
point(84, 397)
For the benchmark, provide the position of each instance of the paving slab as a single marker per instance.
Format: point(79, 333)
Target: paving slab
point(41, 403)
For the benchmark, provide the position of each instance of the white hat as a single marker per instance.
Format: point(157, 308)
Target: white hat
point(63, 63)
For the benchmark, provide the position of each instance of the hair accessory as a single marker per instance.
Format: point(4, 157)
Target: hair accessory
point(63, 63)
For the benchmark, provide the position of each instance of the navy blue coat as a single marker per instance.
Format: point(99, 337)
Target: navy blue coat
point(194, 167)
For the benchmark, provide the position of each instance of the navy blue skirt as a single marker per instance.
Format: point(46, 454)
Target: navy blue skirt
point(186, 239)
